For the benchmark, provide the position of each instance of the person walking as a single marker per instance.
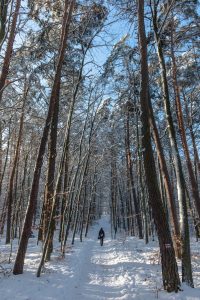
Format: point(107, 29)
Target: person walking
point(101, 236)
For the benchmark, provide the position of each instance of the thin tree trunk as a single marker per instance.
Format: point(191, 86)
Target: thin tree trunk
point(77, 212)
point(141, 184)
point(130, 174)
point(83, 210)
point(67, 142)
point(91, 200)
point(19, 206)
point(190, 126)
point(13, 171)
point(81, 182)
point(6, 157)
point(114, 190)
point(49, 235)
point(51, 223)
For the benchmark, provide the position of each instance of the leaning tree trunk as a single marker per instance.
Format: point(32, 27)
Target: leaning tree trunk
point(67, 142)
point(171, 280)
point(19, 262)
point(65, 154)
point(49, 234)
point(9, 49)
point(3, 16)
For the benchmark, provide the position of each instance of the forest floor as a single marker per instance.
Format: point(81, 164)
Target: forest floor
point(124, 268)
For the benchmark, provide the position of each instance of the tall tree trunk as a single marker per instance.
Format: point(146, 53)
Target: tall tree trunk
point(13, 170)
point(50, 231)
point(49, 234)
point(84, 203)
point(51, 176)
point(192, 135)
point(3, 16)
point(6, 156)
point(171, 280)
point(19, 206)
point(67, 142)
point(19, 262)
point(193, 182)
point(180, 181)
point(141, 184)
point(79, 200)
point(91, 200)
point(167, 183)
point(129, 164)
point(9, 49)
point(83, 174)
point(1, 157)
point(114, 193)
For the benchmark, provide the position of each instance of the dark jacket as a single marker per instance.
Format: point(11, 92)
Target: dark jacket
point(101, 233)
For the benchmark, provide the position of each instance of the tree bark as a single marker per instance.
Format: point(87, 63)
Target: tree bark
point(193, 182)
point(171, 280)
point(3, 16)
point(19, 262)
point(9, 49)
point(130, 174)
point(167, 183)
point(192, 135)
point(51, 176)
point(13, 171)
point(180, 181)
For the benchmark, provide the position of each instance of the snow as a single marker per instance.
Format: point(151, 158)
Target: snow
point(123, 269)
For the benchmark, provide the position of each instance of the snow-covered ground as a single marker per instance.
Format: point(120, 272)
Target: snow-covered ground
point(124, 268)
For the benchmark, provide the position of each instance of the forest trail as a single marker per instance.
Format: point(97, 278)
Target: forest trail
point(123, 269)
point(101, 270)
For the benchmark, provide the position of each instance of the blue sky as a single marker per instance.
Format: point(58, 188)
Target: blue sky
point(115, 29)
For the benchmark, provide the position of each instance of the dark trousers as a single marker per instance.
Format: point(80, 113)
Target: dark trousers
point(101, 241)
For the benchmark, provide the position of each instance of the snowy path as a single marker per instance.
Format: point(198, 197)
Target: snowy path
point(101, 271)
point(121, 269)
